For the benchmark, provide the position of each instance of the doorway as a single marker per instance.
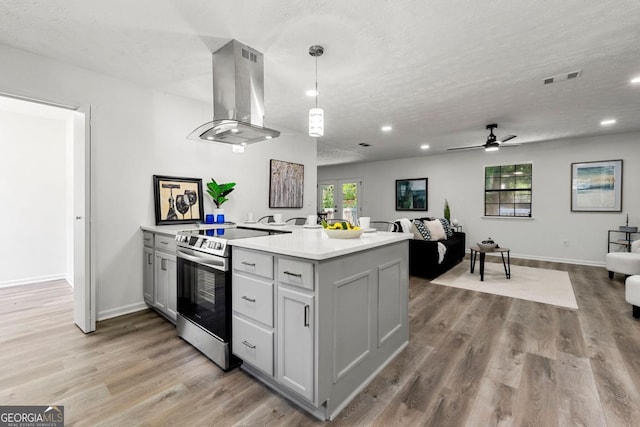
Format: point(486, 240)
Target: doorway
point(46, 178)
point(340, 199)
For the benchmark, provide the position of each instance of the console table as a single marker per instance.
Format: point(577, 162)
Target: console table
point(475, 250)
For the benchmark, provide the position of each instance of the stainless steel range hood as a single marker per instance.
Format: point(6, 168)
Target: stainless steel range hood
point(238, 98)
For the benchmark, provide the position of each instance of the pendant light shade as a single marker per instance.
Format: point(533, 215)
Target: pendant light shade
point(316, 122)
point(316, 115)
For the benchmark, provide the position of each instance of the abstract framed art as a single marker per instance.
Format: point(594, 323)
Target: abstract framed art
point(177, 200)
point(286, 184)
point(596, 186)
point(411, 194)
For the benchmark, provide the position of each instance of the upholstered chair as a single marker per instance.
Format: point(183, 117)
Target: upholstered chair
point(627, 263)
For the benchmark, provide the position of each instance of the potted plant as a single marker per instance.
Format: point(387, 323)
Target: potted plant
point(447, 211)
point(218, 193)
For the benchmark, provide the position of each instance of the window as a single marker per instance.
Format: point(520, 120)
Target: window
point(507, 190)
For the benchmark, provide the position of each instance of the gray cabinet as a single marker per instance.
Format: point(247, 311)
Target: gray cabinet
point(165, 285)
point(295, 341)
point(147, 267)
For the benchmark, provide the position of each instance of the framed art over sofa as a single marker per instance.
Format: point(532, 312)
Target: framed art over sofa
point(411, 194)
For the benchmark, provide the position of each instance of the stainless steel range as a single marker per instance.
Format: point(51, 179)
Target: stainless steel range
point(204, 290)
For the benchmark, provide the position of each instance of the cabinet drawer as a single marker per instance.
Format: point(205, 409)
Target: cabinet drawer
point(253, 344)
point(253, 262)
point(295, 273)
point(165, 243)
point(147, 238)
point(253, 298)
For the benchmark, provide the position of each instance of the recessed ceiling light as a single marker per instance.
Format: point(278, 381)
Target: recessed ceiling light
point(635, 80)
point(424, 147)
point(608, 122)
point(311, 92)
point(386, 128)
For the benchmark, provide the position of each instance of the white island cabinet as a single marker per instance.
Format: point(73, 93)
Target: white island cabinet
point(316, 318)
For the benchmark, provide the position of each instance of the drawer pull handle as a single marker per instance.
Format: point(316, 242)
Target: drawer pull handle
point(149, 259)
point(164, 243)
point(248, 344)
point(288, 273)
point(306, 315)
point(246, 298)
point(249, 264)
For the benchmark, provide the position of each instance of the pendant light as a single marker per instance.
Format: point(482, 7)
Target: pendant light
point(316, 115)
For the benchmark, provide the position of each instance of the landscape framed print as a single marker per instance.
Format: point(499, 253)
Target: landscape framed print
point(177, 200)
point(411, 194)
point(596, 186)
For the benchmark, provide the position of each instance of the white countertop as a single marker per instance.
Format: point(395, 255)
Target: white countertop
point(172, 229)
point(313, 243)
point(308, 243)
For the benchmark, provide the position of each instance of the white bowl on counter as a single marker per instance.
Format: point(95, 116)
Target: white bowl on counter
point(343, 234)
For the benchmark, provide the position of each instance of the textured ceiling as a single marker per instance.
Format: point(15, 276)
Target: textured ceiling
point(437, 71)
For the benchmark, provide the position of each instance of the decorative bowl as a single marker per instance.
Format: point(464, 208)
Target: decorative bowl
point(487, 247)
point(343, 234)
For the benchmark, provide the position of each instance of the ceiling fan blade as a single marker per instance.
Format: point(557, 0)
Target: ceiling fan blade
point(506, 138)
point(471, 147)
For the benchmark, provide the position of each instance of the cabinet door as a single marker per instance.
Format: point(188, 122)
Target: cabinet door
point(172, 287)
point(165, 284)
point(147, 275)
point(295, 341)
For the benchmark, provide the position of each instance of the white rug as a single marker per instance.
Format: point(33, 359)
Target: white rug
point(532, 284)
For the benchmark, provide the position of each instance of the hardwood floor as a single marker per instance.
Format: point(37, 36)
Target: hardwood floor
point(473, 359)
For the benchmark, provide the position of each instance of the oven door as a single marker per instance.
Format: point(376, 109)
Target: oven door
point(204, 295)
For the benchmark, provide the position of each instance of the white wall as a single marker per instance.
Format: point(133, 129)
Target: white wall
point(33, 190)
point(136, 133)
point(459, 177)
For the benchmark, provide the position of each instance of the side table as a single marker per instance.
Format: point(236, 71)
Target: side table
point(475, 250)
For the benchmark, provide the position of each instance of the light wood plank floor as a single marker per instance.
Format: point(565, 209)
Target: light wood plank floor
point(473, 360)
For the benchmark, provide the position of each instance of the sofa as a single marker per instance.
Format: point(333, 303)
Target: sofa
point(424, 255)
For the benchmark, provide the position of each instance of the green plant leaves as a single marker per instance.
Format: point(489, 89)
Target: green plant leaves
point(218, 192)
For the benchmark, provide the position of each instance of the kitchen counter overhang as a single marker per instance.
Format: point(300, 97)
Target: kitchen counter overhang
point(314, 244)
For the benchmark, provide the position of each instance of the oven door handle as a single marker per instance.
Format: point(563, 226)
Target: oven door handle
point(216, 263)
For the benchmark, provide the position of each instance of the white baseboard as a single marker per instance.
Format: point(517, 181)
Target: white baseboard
point(32, 280)
point(121, 311)
point(561, 260)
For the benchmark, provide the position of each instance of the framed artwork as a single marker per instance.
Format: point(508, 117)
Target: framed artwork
point(286, 184)
point(177, 200)
point(411, 194)
point(596, 186)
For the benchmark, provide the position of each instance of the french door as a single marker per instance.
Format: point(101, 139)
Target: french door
point(340, 199)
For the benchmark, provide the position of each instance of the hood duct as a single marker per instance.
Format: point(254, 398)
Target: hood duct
point(238, 98)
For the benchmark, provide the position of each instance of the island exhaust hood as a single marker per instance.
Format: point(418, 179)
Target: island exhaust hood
point(238, 98)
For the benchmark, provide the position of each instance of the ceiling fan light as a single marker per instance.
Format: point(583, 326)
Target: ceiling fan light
point(491, 148)
point(316, 122)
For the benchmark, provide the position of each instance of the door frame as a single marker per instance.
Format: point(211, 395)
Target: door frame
point(89, 286)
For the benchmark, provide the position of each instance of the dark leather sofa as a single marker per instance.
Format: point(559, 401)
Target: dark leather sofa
point(423, 256)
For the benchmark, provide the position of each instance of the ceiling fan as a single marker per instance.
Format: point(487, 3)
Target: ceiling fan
point(492, 143)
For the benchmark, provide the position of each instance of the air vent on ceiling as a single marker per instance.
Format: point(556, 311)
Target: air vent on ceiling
point(364, 144)
point(562, 77)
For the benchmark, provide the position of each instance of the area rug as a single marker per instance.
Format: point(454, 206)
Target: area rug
point(527, 283)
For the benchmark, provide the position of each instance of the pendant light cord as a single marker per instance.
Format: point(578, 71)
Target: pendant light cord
point(316, 81)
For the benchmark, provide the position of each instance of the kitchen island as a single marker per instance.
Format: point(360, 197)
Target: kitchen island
point(316, 319)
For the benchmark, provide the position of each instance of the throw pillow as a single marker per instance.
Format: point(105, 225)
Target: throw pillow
point(436, 230)
point(422, 229)
point(416, 233)
point(447, 227)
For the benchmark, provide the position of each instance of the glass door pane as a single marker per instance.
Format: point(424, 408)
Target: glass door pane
point(349, 200)
point(327, 203)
